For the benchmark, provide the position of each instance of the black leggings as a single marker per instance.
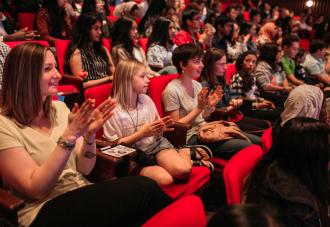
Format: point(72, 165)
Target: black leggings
point(129, 201)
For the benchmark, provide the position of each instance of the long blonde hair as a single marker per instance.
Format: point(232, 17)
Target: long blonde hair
point(122, 83)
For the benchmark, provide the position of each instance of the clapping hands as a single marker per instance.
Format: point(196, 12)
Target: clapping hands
point(87, 119)
point(157, 127)
point(211, 99)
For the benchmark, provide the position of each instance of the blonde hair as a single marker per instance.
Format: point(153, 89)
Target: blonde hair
point(122, 81)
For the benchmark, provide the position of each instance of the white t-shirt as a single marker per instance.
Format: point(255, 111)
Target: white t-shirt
point(40, 146)
point(125, 123)
point(175, 97)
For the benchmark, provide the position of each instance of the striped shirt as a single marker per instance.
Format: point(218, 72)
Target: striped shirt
point(94, 65)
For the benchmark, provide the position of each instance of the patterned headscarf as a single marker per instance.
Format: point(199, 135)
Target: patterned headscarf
point(266, 33)
point(303, 101)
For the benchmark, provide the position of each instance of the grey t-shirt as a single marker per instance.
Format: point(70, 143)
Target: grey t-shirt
point(175, 97)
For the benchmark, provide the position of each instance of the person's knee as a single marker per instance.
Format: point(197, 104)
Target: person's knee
point(162, 179)
point(182, 171)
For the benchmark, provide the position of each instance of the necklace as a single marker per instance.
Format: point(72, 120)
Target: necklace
point(135, 125)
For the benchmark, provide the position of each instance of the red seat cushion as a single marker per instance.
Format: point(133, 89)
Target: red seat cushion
point(26, 20)
point(230, 72)
point(156, 88)
point(143, 43)
point(187, 211)
point(246, 15)
point(61, 46)
point(236, 171)
point(106, 44)
point(112, 18)
point(199, 176)
point(66, 89)
point(12, 44)
point(266, 140)
point(218, 163)
point(305, 43)
point(100, 93)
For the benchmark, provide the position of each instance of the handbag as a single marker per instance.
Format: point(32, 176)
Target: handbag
point(219, 131)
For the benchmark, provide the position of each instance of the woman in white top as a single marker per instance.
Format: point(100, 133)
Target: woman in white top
point(160, 45)
point(125, 43)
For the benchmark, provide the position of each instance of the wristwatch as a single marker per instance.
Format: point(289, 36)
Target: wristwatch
point(66, 144)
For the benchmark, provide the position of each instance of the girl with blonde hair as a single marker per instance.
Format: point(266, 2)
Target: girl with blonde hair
point(135, 122)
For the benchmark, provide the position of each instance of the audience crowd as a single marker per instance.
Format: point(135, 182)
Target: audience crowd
point(240, 69)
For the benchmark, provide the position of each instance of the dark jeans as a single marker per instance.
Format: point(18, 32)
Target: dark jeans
point(277, 98)
point(129, 201)
point(253, 125)
point(266, 114)
point(226, 149)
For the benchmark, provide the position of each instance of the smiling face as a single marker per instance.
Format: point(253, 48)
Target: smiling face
point(219, 67)
point(140, 81)
point(194, 67)
point(249, 63)
point(50, 76)
point(96, 32)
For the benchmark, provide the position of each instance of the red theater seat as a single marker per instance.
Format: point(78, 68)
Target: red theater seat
point(266, 140)
point(26, 20)
point(12, 44)
point(236, 171)
point(187, 211)
point(230, 72)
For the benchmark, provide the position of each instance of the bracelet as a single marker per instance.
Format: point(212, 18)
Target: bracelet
point(66, 144)
point(88, 142)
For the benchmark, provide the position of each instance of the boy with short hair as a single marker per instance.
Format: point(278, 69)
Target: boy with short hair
point(290, 46)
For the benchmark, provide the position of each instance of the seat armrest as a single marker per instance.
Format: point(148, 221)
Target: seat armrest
point(103, 143)
point(109, 167)
point(178, 137)
point(219, 114)
point(72, 80)
point(9, 206)
point(10, 202)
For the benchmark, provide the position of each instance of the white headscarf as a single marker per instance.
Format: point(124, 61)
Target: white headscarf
point(303, 101)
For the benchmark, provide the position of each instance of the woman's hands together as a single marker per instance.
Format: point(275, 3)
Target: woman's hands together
point(87, 119)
